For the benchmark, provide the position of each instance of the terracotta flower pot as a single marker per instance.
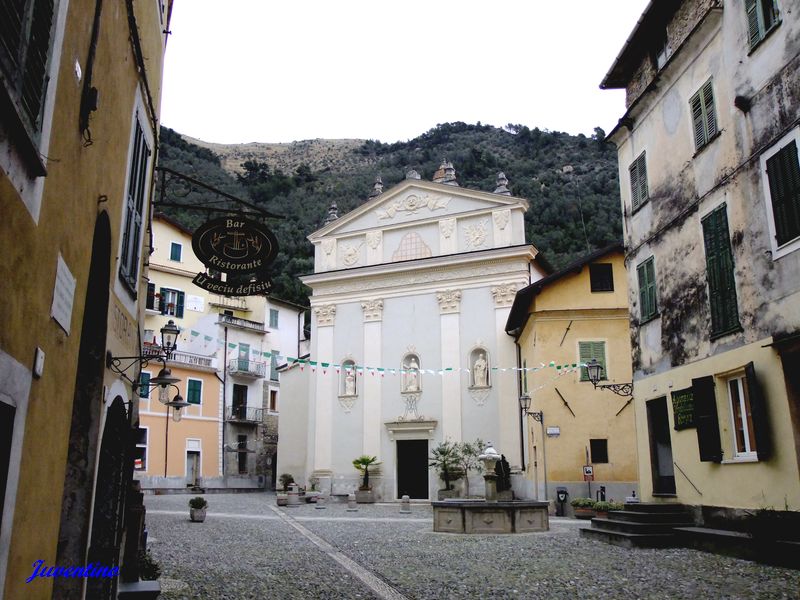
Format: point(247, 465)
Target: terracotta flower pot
point(198, 515)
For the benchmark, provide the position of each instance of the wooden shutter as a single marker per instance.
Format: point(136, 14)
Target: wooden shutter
point(646, 273)
point(179, 306)
point(638, 176)
point(758, 411)
point(697, 121)
point(589, 351)
point(34, 82)
point(708, 110)
point(706, 419)
point(783, 172)
point(162, 302)
point(753, 31)
point(151, 296)
point(719, 267)
point(194, 391)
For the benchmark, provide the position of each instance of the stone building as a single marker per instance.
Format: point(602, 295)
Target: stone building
point(410, 296)
point(710, 188)
point(80, 86)
point(574, 315)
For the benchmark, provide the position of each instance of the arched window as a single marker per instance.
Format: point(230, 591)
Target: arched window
point(349, 379)
point(411, 380)
point(479, 368)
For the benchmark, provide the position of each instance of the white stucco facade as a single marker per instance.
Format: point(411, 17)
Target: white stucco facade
point(421, 277)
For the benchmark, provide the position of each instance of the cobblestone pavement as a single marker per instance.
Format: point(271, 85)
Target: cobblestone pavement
point(248, 549)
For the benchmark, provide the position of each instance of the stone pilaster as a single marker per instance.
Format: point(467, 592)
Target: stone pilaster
point(371, 384)
point(507, 392)
point(450, 308)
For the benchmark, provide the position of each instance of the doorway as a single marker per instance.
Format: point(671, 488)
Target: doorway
point(661, 465)
point(192, 467)
point(412, 469)
point(242, 454)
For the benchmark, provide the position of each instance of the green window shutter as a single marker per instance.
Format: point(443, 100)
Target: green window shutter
point(179, 306)
point(646, 273)
point(697, 121)
point(151, 296)
point(708, 111)
point(592, 350)
point(758, 411)
point(194, 392)
point(706, 419)
point(638, 176)
point(162, 301)
point(753, 30)
point(144, 388)
point(719, 272)
point(783, 173)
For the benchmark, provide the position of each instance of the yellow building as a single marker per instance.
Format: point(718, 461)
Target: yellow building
point(570, 317)
point(80, 84)
point(708, 162)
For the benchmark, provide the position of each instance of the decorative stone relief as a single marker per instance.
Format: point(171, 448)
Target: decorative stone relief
point(449, 301)
point(412, 204)
point(328, 246)
point(351, 253)
point(412, 246)
point(479, 395)
point(347, 402)
point(373, 310)
point(411, 413)
point(504, 294)
point(501, 218)
point(475, 235)
point(374, 239)
point(325, 314)
point(446, 227)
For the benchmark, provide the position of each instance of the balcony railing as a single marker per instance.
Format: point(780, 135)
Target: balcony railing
point(235, 302)
point(241, 323)
point(183, 358)
point(244, 414)
point(247, 368)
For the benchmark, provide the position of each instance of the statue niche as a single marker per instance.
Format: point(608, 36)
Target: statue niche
point(411, 383)
point(348, 385)
point(479, 368)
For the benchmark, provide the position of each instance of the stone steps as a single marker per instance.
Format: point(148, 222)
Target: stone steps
point(784, 553)
point(640, 525)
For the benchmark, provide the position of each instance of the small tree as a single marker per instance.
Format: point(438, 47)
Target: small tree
point(363, 463)
point(286, 479)
point(445, 457)
point(468, 453)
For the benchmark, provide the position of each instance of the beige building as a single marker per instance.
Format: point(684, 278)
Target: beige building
point(708, 159)
point(572, 316)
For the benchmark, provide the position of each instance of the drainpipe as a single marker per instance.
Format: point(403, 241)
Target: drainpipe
point(224, 394)
point(522, 417)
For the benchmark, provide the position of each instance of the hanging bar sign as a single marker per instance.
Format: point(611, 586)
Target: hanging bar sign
point(234, 245)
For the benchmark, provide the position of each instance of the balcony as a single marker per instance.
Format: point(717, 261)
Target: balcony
point(233, 303)
point(247, 368)
point(181, 358)
point(244, 414)
point(232, 321)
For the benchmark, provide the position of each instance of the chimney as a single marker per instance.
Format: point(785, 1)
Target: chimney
point(502, 185)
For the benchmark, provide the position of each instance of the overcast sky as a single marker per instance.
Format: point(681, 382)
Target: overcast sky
point(279, 71)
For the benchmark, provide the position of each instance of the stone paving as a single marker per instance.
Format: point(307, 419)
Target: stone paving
point(249, 548)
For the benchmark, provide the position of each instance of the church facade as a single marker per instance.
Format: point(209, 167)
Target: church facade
point(411, 293)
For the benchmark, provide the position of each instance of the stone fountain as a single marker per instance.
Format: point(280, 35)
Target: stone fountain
point(490, 515)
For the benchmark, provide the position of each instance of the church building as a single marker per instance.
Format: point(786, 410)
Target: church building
point(410, 297)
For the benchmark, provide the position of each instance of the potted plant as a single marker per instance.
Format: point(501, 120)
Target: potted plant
point(445, 458)
point(601, 508)
point(364, 494)
point(197, 509)
point(583, 507)
point(286, 479)
point(468, 453)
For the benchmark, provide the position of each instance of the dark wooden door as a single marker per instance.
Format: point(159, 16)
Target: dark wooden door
point(412, 468)
point(660, 447)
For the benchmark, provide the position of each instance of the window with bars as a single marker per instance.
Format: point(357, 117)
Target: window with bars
point(783, 175)
point(26, 32)
point(601, 277)
point(704, 116)
point(646, 273)
point(134, 207)
point(719, 272)
point(762, 17)
point(638, 176)
point(194, 391)
point(592, 350)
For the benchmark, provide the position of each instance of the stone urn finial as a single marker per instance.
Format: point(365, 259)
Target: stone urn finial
point(490, 457)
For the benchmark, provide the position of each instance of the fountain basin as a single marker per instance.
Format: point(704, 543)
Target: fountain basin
point(479, 516)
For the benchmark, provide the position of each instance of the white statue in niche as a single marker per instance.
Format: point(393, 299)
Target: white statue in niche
point(412, 375)
point(480, 371)
point(349, 381)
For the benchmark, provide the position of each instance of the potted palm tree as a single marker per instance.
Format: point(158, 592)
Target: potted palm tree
point(364, 494)
point(445, 458)
point(197, 509)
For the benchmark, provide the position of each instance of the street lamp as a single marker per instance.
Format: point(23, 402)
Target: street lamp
point(525, 404)
point(595, 371)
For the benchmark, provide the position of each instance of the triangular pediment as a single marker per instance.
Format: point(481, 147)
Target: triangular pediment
point(412, 201)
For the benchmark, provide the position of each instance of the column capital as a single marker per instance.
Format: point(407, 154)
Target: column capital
point(373, 310)
point(504, 294)
point(449, 301)
point(325, 314)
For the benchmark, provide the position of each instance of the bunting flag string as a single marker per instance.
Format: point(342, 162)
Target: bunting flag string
point(360, 370)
